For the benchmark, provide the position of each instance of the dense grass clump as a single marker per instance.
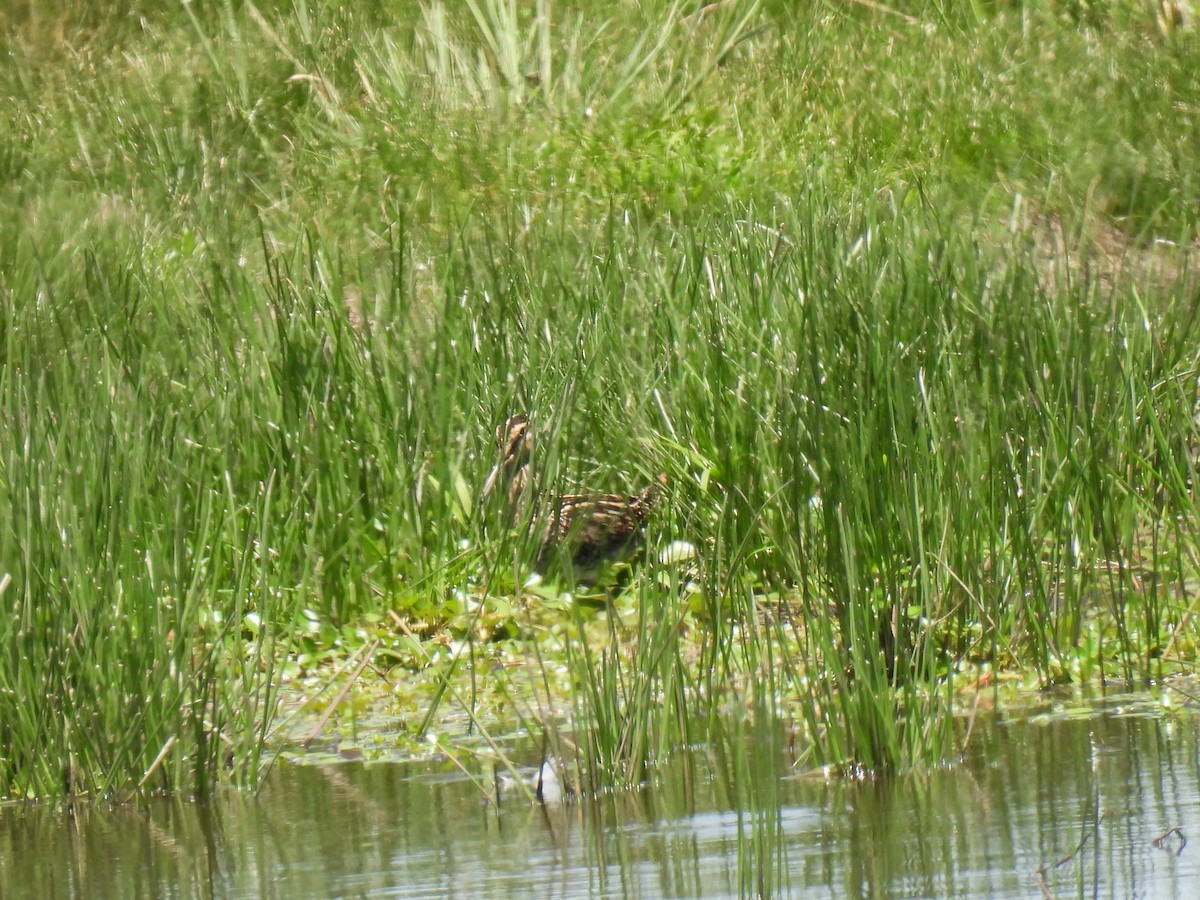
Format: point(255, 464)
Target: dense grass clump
point(900, 300)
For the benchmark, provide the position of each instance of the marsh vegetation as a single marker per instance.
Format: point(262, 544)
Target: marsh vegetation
point(901, 301)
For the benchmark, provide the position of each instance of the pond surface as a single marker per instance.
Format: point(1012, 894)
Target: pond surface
point(1025, 794)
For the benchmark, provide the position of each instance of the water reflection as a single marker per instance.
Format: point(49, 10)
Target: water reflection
point(716, 823)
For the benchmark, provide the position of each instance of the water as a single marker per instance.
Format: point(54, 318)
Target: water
point(1024, 795)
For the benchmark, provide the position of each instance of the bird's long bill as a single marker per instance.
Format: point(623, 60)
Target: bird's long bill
point(490, 483)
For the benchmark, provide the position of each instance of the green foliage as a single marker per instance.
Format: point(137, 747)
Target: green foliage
point(884, 295)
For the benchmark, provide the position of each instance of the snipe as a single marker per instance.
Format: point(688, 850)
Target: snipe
point(581, 532)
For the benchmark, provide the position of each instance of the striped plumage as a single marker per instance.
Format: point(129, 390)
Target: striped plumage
point(515, 443)
point(580, 532)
